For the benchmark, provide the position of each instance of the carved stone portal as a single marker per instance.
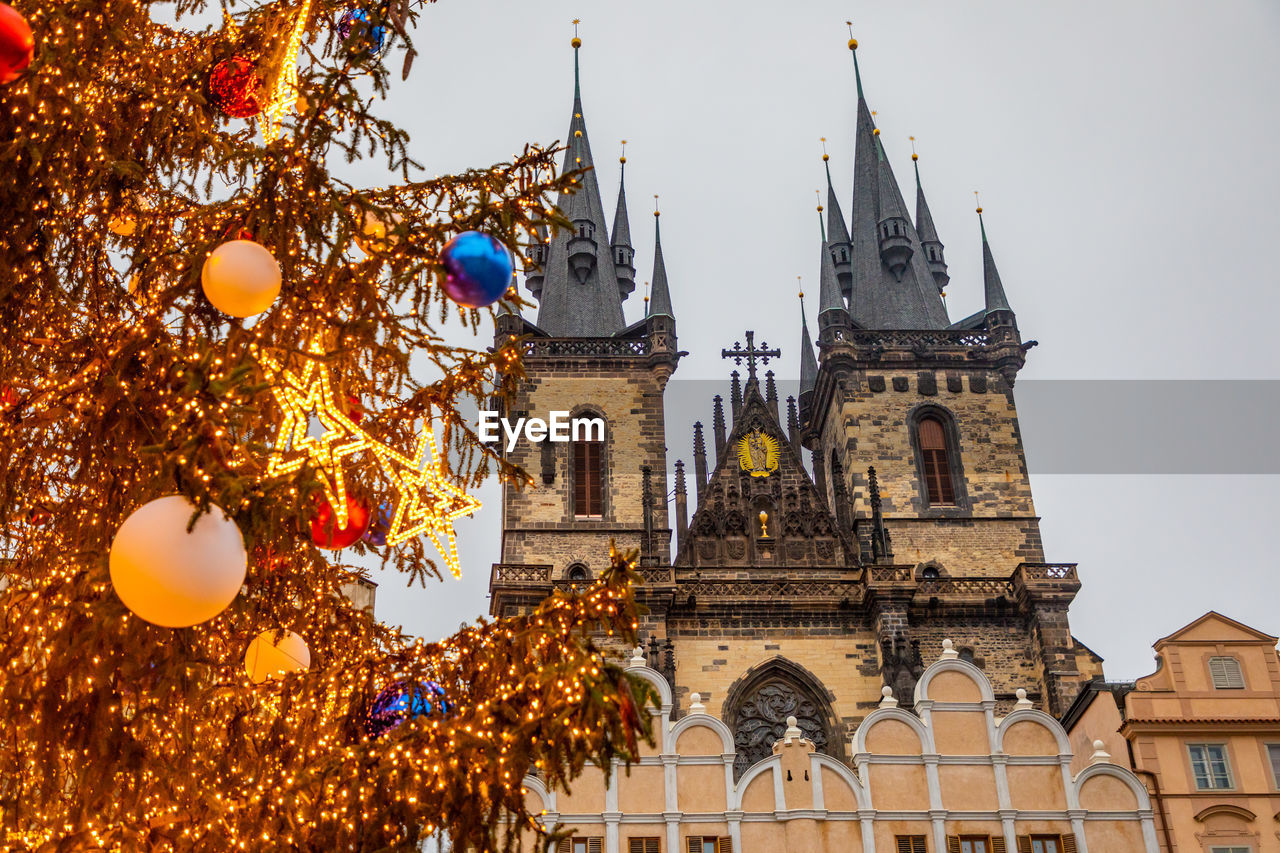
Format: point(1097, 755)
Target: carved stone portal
point(761, 720)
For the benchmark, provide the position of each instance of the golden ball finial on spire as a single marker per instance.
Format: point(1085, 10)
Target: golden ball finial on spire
point(977, 201)
point(914, 155)
point(656, 212)
point(853, 42)
point(875, 132)
point(825, 158)
point(800, 287)
point(623, 158)
point(576, 42)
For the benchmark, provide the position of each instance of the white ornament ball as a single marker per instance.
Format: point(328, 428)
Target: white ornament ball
point(266, 659)
point(173, 578)
point(241, 278)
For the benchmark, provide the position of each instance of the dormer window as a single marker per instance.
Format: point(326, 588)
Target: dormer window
point(1226, 673)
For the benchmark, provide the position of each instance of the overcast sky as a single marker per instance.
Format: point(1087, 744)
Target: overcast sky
point(1127, 161)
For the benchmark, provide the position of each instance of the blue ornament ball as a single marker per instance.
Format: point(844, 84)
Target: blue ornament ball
point(357, 21)
point(403, 701)
point(479, 269)
point(381, 526)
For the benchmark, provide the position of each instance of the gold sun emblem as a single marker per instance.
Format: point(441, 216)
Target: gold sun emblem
point(758, 453)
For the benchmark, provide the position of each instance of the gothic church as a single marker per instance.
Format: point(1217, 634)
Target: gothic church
point(828, 548)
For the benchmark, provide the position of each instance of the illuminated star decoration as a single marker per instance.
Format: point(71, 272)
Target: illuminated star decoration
point(427, 502)
point(285, 96)
point(302, 396)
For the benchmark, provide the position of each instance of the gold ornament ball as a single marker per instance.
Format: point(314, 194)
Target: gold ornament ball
point(241, 278)
point(175, 578)
point(266, 658)
point(576, 42)
point(853, 44)
point(376, 233)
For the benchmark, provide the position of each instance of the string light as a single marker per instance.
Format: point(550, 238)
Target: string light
point(286, 94)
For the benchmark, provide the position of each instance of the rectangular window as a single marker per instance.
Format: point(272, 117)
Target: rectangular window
point(910, 844)
point(1209, 765)
point(1046, 844)
point(1273, 753)
point(578, 844)
point(975, 844)
point(1226, 673)
point(588, 479)
point(710, 844)
point(1230, 850)
point(644, 845)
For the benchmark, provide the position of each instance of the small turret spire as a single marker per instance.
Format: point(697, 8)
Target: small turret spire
point(620, 237)
point(832, 313)
point(853, 48)
point(929, 242)
point(837, 232)
point(808, 362)
point(661, 301)
point(994, 289)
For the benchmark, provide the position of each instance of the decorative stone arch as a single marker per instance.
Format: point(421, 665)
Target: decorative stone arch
point(689, 721)
point(1226, 809)
point(845, 772)
point(538, 788)
point(757, 705)
point(1041, 718)
point(902, 716)
point(954, 665)
point(931, 571)
point(771, 765)
point(1117, 772)
point(951, 432)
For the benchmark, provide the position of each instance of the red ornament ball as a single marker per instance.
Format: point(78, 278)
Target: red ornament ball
point(355, 411)
point(17, 45)
point(233, 87)
point(324, 527)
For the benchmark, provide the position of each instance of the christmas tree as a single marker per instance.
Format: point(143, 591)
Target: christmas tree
point(222, 374)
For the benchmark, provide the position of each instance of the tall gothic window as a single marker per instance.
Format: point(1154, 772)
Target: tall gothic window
point(587, 497)
point(936, 461)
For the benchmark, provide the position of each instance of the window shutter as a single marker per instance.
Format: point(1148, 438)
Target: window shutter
point(1068, 844)
point(1226, 673)
point(724, 845)
point(1024, 844)
point(594, 845)
point(643, 845)
point(953, 844)
point(564, 846)
point(997, 845)
point(651, 845)
point(905, 844)
point(695, 844)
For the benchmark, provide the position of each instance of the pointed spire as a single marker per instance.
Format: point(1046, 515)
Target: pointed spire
point(735, 394)
point(832, 313)
point(996, 300)
point(771, 395)
point(892, 287)
point(836, 232)
point(661, 301)
point(682, 504)
point(793, 425)
point(620, 237)
point(808, 361)
point(929, 241)
point(699, 460)
point(717, 425)
point(579, 293)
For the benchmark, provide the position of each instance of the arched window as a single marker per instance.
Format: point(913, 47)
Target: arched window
point(935, 458)
point(587, 473)
point(578, 572)
point(930, 574)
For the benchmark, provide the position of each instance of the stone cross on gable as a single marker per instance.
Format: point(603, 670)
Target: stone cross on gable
point(751, 354)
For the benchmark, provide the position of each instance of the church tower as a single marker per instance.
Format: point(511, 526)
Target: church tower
point(581, 357)
point(913, 418)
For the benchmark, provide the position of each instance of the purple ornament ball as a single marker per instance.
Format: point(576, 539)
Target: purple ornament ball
point(479, 269)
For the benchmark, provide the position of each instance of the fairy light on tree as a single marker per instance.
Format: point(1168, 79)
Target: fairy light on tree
point(122, 384)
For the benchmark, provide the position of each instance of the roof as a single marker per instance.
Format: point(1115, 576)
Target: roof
point(1116, 690)
point(1182, 634)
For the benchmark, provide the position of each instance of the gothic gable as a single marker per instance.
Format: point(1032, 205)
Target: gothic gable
point(759, 472)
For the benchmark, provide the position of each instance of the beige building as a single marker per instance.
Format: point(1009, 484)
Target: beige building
point(1202, 732)
point(947, 776)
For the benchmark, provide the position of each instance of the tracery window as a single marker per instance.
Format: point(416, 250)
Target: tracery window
point(760, 720)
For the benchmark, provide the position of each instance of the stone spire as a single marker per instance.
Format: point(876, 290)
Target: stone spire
point(620, 237)
point(579, 293)
point(892, 285)
point(929, 241)
point(837, 234)
point(996, 300)
point(808, 361)
point(833, 316)
point(660, 296)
